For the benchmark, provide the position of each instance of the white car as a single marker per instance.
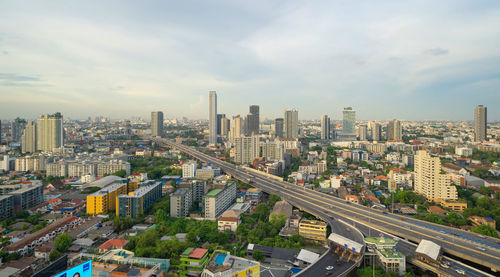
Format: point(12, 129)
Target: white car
point(330, 267)
point(460, 271)
point(445, 265)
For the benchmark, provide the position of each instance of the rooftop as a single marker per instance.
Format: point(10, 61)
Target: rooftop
point(213, 192)
point(198, 253)
point(108, 189)
point(380, 241)
point(390, 253)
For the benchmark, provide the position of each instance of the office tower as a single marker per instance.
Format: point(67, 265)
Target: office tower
point(224, 126)
point(394, 130)
point(219, 123)
point(363, 132)
point(278, 127)
point(480, 123)
point(236, 127)
point(17, 128)
point(325, 127)
point(212, 118)
point(246, 149)
point(253, 121)
point(428, 178)
point(291, 124)
point(157, 124)
point(28, 139)
point(375, 131)
point(349, 123)
point(49, 132)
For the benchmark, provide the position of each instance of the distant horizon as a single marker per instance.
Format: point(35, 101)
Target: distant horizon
point(416, 60)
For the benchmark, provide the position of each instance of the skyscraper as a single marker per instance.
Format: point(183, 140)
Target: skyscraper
point(428, 178)
point(325, 127)
point(278, 127)
point(349, 123)
point(224, 126)
point(28, 138)
point(49, 132)
point(17, 128)
point(253, 120)
point(156, 124)
point(375, 130)
point(480, 123)
point(219, 123)
point(236, 127)
point(291, 124)
point(394, 131)
point(212, 118)
point(363, 132)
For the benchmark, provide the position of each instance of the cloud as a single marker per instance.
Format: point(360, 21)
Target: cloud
point(436, 51)
point(15, 80)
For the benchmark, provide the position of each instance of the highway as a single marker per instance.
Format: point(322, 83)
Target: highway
point(466, 245)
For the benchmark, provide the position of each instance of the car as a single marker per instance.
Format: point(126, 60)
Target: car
point(480, 248)
point(460, 271)
point(402, 218)
point(445, 265)
point(330, 267)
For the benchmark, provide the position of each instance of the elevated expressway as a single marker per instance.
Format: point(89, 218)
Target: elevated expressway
point(465, 245)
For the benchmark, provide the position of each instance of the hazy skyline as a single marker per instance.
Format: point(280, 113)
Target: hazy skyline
point(412, 60)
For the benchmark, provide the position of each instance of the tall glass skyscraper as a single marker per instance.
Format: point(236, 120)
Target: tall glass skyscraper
point(349, 122)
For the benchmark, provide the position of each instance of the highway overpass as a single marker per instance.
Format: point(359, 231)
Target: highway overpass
point(465, 245)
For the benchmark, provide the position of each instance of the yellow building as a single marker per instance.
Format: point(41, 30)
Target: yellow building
point(452, 204)
point(104, 200)
point(430, 181)
point(313, 229)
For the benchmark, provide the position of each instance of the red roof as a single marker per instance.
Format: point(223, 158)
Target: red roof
point(381, 177)
point(198, 253)
point(53, 200)
point(113, 243)
point(395, 169)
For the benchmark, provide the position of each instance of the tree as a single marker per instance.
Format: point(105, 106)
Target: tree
point(273, 198)
point(54, 255)
point(485, 230)
point(121, 173)
point(63, 242)
point(258, 256)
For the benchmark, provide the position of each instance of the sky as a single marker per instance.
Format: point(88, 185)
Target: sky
point(413, 60)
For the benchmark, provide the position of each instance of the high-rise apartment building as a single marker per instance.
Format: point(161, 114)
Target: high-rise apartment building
point(28, 138)
point(137, 202)
point(246, 149)
point(180, 202)
point(375, 131)
point(253, 121)
point(17, 128)
point(105, 200)
point(325, 127)
point(224, 126)
point(49, 132)
point(278, 127)
point(219, 123)
point(429, 181)
point(394, 131)
point(189, 169)
point(291, 124)
point(349, 123)
point(212, 118)
point(218, 200)
point(363, 132)
point(157, 124)
point(236, 127)
point(480, 123)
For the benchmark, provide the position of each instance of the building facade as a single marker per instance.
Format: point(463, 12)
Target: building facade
point(291, 124)
point(49, 131)
point(156, 124)
point(212, 118)
point(480, 123)
point(28, 138)
point(429, 181)
point(325, 127)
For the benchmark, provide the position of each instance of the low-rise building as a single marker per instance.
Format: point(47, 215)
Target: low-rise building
point(313, 229)
point(194, 260)
point(105, 199)
point(352, 198)
point(223, 264)
point(229, 220)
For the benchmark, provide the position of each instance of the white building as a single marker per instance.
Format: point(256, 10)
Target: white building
point(463, 151)
point(189, 169)
point(218, 200)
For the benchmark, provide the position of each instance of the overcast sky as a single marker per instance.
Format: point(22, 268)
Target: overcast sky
point(387, 59)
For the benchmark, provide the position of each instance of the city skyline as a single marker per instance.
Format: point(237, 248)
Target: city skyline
point(311, 56)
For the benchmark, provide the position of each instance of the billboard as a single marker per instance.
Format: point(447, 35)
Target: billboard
point(82, 270)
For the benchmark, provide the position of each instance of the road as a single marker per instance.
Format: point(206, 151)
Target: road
point(468, 246)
